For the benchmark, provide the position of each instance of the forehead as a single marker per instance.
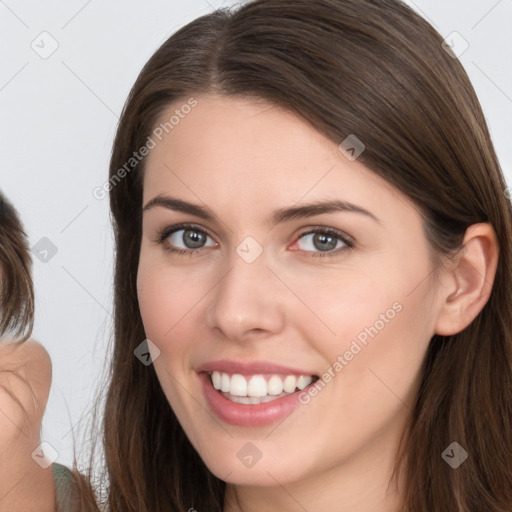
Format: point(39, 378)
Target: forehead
point(247, 151)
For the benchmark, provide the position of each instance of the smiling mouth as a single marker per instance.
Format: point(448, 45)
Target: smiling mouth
point(258, 388)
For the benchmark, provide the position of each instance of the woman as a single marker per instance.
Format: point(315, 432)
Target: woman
point(313, 271)
point(25, 377)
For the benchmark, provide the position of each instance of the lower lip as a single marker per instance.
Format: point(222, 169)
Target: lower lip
point(248, 415)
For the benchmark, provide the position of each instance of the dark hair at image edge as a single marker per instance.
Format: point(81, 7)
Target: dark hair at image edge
point(16, 287)
point(371, 68)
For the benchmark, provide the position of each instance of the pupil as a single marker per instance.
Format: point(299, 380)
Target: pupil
point(323, 238)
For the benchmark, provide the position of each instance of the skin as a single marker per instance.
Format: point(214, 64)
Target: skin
point(243, 159)
point(25, 379)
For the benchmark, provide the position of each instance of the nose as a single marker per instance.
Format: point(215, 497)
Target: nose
point(247, 302)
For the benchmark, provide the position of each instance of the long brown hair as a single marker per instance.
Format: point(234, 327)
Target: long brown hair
point(376, 69)
point(16, 287)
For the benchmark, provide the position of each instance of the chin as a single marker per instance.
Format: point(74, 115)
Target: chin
point(239, 462)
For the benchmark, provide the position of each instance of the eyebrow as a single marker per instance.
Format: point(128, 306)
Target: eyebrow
point(278, 216)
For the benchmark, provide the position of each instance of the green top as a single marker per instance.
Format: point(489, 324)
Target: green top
point(64, 483)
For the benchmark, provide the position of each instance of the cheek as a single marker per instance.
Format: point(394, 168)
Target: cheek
point(342, 304)
point(152, 302)
point(165, 302)
point(165, 298)
point(379, 318)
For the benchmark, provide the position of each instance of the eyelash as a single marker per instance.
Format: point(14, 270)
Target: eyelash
point(164, 233)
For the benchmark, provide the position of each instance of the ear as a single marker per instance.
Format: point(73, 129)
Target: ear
point(471, 280)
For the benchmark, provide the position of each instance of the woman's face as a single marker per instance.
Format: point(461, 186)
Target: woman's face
point(262, 294)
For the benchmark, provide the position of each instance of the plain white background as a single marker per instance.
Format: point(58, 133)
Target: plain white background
point(59, 114)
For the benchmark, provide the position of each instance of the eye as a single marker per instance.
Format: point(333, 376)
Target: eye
point(328, 242)
point(187, 239)
point(183, 239)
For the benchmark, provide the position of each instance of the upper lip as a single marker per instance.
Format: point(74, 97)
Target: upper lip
point(249, 368)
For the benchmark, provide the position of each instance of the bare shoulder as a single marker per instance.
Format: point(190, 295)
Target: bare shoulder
point(25, 380)
point(29, 357)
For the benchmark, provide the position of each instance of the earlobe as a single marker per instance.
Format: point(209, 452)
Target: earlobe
point(472, 277)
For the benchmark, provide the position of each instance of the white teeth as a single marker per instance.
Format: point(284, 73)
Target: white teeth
point(216, 380)
point(303, 381)
point(275, 385)
point(256, 388)
point(253, 400)
point(290, 383)
point(238, 385)
point(225, 382)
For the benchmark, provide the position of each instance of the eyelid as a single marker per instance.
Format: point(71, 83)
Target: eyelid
point(348, 240)
point(167, 231)
point(329, 230)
